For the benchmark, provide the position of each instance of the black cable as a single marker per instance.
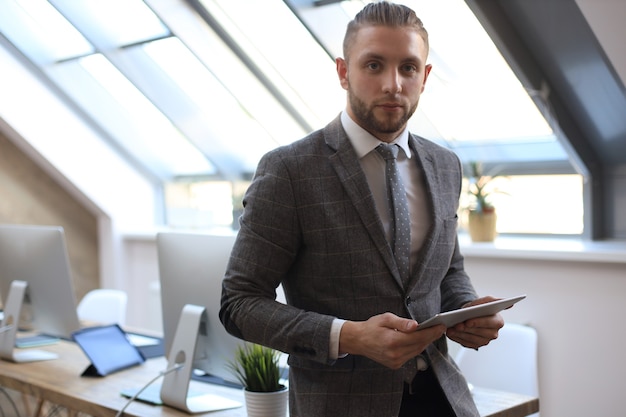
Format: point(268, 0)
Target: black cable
point(2, 409)
point(56, 409)
point(17, 412)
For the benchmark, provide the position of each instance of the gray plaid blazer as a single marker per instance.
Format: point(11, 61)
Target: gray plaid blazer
point(310, 223)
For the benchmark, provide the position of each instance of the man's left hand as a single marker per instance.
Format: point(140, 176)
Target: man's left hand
point(479, 331)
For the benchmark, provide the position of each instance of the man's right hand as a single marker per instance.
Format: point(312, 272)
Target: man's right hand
point(387, 339)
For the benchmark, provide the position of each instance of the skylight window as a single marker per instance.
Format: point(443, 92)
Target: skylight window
point(197, 91)
point(114, 23)
point(145, 130)
point(213, 101)
point(473, 102)
point(286, 53)
point(471, 83)
point(41, 32)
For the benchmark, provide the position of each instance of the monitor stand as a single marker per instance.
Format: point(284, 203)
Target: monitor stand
point(175, 387)
point(9, 326)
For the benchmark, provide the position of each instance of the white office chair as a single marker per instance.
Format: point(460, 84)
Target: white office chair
point(508, 363)
point(103, 306)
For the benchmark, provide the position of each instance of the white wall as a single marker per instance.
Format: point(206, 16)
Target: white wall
point(142, 274)
point(575, 303)
point(577, 308)
point(72, 152)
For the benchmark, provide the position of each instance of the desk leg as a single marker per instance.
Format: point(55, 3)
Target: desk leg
point(38, 408)
point(26, 403)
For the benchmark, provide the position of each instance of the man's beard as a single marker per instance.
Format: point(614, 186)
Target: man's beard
point(366, 119)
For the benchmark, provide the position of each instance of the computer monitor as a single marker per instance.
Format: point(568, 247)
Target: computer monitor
point(191, 270)
point(38, 256)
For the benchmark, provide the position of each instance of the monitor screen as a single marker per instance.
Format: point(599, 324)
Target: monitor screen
point(38, 255)
point(191, 270)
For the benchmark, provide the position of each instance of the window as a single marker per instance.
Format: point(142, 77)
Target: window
point(535, 204)
point(194, 92)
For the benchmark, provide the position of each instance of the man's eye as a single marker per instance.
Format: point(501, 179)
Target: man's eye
point(409, 68)
point(373, 66)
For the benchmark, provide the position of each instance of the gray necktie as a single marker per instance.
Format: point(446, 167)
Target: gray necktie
point(401, 235)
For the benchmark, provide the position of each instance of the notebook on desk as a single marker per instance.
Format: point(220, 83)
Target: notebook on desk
point(35, 340)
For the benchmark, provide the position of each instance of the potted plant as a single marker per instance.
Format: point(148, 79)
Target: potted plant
point(256, 368)
point(482, 216)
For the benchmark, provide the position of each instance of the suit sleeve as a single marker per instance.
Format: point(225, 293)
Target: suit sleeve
point(266, 247)
point(456, 287)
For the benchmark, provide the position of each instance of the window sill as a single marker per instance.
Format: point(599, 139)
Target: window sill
point(504, 247)
point(540, 248)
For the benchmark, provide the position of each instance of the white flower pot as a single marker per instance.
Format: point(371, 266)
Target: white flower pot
point(267, 404)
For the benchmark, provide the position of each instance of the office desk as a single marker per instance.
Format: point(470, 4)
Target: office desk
point(59, 382)
point(492, 403)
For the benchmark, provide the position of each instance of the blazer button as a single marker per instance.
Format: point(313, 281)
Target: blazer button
point(422, 365)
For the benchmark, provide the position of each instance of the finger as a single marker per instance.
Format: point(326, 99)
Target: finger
point(400, 323)
point(481, 300)
point(493, 322)
point(466, 340)
point(432, 333)
point(473, 337)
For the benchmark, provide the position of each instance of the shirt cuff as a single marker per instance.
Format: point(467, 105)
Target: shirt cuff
point(335, 331)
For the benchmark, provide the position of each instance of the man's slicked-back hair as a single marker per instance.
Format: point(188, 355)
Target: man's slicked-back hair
point(383, 13)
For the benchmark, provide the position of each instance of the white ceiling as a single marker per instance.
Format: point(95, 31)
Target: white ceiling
point(606, 18)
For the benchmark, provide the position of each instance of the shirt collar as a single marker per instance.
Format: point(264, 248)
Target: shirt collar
point(364, 142)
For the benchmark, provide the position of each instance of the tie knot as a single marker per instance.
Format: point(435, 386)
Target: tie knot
point(388, 151)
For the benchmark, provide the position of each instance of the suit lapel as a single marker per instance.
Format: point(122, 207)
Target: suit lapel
point(426, 163)
point(348, 169)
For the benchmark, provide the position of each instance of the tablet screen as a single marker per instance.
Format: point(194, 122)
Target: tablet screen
point(107, 348)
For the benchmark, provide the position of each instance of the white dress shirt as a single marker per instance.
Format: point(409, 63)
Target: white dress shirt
point(373, 165)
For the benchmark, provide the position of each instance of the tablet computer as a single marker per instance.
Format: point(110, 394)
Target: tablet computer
point(108, 349)
point(451, 318)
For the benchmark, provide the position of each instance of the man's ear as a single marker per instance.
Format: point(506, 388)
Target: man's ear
point(342, 72)
point(427, 69)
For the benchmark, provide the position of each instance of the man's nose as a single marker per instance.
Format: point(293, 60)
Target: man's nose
point(392, 82)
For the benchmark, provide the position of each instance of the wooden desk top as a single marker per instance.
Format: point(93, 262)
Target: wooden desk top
point(492, 403)
point(59, 382)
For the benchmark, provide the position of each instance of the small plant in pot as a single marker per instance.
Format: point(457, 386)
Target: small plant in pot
point(256, 368)
point(481, 213)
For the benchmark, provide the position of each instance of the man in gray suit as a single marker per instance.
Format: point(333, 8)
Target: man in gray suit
point(316, 221)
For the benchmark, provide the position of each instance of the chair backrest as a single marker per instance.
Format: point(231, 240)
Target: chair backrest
point(103, 306)
point(508, 363)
